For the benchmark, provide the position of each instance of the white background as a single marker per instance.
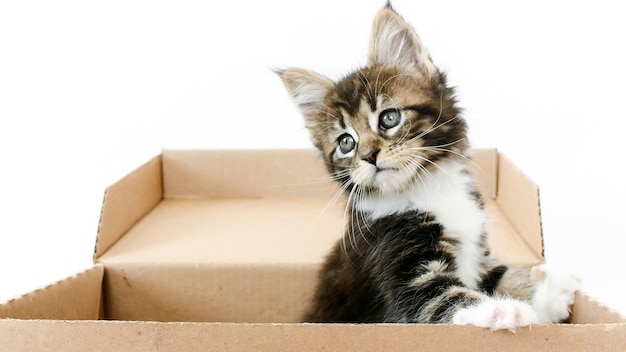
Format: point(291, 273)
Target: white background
point(91, 90)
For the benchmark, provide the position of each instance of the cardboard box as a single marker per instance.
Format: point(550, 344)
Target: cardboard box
point(218, 250)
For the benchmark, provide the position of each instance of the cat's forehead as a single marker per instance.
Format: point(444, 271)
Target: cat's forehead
point(379, 88)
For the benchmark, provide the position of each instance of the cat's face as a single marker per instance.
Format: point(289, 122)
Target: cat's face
point(383, 127)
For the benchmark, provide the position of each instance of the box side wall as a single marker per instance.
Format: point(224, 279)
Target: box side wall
point(127, 201)
point(518, 199)
point(75, 298)
point(245, 174)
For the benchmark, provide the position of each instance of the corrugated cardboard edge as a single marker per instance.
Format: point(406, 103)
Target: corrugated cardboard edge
point(77, 297)
point(151, 336)
point(127, 201)
point(592, 311)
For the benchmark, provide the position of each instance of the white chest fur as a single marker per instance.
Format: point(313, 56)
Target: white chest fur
point(447, 195)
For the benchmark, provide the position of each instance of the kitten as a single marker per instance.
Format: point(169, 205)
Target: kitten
point(414, 250)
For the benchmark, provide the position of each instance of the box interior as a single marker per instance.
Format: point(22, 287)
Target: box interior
point(238, 236)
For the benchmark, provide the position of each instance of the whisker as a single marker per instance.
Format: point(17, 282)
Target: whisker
point(421, 169)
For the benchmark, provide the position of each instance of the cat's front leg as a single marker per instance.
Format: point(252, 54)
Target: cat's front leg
point(497, 314)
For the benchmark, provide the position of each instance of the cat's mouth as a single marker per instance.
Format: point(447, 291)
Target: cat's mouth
point(384, 169)
point(381, 174)
point(373, 174)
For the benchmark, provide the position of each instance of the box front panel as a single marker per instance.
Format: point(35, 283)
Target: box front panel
point(208, 293)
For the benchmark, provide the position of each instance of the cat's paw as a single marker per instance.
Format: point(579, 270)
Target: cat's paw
point(497, 314)
point(554, 295)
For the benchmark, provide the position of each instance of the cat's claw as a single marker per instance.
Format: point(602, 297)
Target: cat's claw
point(497, 314)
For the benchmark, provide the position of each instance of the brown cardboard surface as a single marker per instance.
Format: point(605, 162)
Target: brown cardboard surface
point(232, 231)
point(211, 293)
point(505, 242)
point(518, 198)
point(222, 247)
point(245, 174)
point(150, 336)
point(127, 201)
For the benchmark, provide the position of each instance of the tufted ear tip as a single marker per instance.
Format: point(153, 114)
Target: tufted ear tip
point(395, 42)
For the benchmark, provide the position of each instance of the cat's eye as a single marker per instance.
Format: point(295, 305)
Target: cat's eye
point(389, 118)
point(346, 143)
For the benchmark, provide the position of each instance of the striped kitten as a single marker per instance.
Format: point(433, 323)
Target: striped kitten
point(414, 248)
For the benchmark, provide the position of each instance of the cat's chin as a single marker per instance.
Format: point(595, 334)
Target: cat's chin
point(384, 181)
point(392, 181)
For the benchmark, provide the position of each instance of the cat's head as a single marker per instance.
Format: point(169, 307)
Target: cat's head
point(383, 127)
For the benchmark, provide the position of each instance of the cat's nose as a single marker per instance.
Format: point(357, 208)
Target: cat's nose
point(371, 156)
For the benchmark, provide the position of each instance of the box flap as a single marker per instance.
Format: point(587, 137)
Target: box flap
point(77, 298)
point(518, 199)
point(126, 202)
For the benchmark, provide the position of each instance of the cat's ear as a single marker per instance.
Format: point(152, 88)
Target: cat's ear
point(307, 89)
point(395, 42)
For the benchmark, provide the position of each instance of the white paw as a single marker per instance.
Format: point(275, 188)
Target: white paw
point(554, 296)
point(497, 314)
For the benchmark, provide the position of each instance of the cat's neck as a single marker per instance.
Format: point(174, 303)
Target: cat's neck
point(448, 193)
